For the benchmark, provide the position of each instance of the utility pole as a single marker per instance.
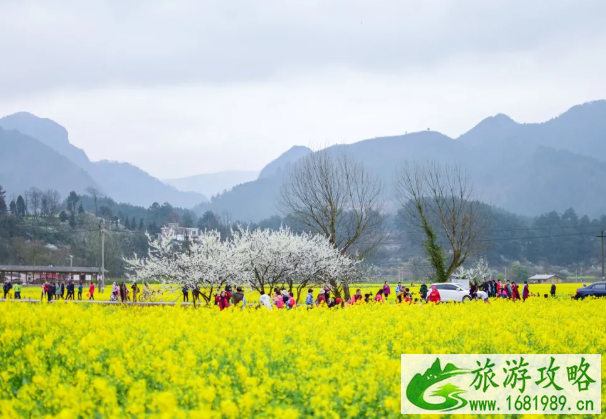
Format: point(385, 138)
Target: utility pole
point(601, 236)
point(102, 229)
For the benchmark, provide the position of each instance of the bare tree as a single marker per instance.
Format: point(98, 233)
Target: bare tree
point(332, 194)
point(95, 194)
point(34, 200)
point(51, 200)
point(437, 201)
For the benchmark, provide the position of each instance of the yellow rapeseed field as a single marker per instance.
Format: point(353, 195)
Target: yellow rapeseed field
point(79, 360)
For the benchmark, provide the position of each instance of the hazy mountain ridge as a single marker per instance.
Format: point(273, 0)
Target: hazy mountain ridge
point(210, 184)
point(27, 162)
point(121, 181)
point(524, 168)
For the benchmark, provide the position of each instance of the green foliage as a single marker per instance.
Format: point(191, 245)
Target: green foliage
point(518, 273)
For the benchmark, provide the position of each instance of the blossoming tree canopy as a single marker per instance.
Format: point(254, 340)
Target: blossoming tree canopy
point(262, 259)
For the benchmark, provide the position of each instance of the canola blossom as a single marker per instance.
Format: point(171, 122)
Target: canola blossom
point(83, 360)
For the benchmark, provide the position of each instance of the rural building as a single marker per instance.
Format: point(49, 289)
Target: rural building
point(179, 233)
point(546, 278)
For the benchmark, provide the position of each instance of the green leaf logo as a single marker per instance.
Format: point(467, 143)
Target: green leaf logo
point(415, 392)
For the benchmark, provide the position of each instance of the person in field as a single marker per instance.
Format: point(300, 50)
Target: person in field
point(291, 303)
point(195, 294)
point(483, 295)
point(508, 290)
point(332, 302)
point(386, 289)
point(321, 298)
point(515, 291)
point(63, 290)
point(222, 300)
point(80, 289)
point(407, 296)
point(473, 290)
point(552, 291)
point(434, 296)
point(278, 300)
point(379, 296)
point(265, 300)
point(357, 298)
point(309, 299)
point(237, 297)
point(423, 291)
point(499, 287)
point(525, 291)
point(399, 292)
point(57, 291)
point(502, 293)
point(91, 291)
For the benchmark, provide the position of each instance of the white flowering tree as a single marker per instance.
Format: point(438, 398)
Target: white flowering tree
point(261, 259)
point(477, 273)
point(268, 259)
point(206, 263)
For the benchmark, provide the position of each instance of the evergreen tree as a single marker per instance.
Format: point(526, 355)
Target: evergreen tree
point(21, 207)
point(72, 201)
point(126, 223)
point(80, 209)
point(141, 225)
point(63, 216)
point(13, 208)
point(72, 220)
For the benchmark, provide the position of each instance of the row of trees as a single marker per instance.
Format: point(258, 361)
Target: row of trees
point(261, 259)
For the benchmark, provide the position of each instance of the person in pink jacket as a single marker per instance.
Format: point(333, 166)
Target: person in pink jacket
point(386, 289)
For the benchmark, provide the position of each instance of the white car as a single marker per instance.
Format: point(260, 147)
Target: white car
point(451, 292)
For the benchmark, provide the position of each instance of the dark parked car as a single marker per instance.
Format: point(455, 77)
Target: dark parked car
point(597, 289)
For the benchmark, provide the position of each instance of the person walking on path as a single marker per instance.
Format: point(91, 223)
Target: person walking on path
point(63, 290)
point(123, 292)
point(135, 289)
point(91, 291)
point(309, 299)
point(80, 288)
point(386, 289)
point(58, 292)
point(6, 288)
point(185, 290)
point(553, 289)
point(17, 290)
point(525, 291)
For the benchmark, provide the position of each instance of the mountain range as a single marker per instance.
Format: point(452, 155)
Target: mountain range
point(37, 152)
point(524, 168)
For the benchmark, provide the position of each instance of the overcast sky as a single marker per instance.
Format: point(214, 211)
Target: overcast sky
point(182, 87)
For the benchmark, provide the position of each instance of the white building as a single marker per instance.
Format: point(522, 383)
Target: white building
point(179, 233)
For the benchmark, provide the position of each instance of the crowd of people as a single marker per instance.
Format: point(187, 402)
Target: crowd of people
point(282, 298)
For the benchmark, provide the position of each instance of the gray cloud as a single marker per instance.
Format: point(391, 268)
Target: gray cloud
point(69, 43)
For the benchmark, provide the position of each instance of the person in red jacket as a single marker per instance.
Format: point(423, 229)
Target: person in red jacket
point(91, 291)
point(222, 300)
point(434, 295)
point(525, 291)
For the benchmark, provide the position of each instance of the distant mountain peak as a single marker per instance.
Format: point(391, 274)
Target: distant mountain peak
point(492, 128)
point(37, 127)
point(284, 160)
